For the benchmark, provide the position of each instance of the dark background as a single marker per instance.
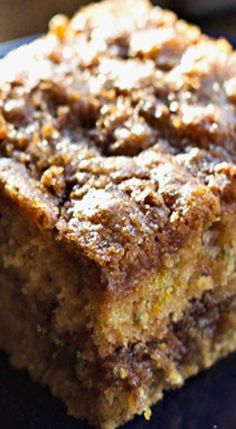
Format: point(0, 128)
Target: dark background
point(23, 17)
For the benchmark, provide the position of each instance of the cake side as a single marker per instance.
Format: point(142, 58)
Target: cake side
point(52, 282)
point(142, 313)
point(50, 315)
point(106, 391)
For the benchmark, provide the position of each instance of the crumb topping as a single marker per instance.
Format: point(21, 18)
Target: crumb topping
point(125, 117)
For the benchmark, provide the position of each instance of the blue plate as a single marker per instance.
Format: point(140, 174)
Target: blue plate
point(207, 401)
point(13, 44)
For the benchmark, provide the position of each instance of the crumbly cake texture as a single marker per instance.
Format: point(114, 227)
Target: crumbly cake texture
point(117, 207)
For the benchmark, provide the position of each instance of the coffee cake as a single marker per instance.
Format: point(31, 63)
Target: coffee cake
point(117, 207)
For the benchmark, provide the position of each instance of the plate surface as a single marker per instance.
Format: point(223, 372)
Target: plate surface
point(205, 402)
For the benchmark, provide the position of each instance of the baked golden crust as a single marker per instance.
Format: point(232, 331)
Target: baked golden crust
point(130, 129)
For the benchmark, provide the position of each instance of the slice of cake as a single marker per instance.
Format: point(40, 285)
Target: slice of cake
point(117, 207)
